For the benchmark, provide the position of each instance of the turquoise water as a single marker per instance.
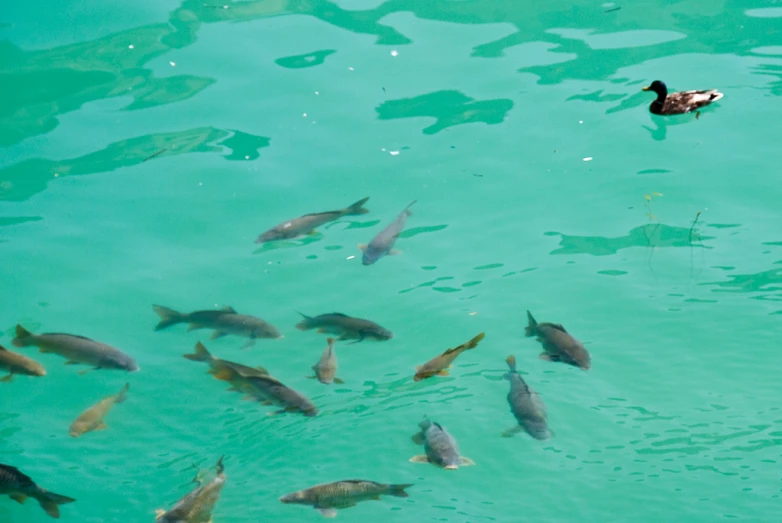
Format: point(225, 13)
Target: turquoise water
point(484, 112)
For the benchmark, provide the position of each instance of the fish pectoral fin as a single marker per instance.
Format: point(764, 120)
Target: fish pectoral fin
point(327, 512)
point(85, 371)
point(311, 377)
point(159, 513)
point(248, 397)
point(266, 402)
point(394, 252)
point(512, 431)
point(466, 462)
point(194, 327)
point(549, 357)
point(339, 381)
point(443, 372)
point(19, 498)
point(420, 458)
point(217, 334)
point(248, 345)
point(6, 379)
point(362, 246)
point(321, 330)
point(223, 374)
point(101, 426)
point(43, 350)
point(418, 438)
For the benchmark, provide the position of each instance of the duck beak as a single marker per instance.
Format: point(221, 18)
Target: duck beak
point(647, 88)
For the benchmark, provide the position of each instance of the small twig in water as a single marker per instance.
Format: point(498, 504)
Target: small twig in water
point(161, 151)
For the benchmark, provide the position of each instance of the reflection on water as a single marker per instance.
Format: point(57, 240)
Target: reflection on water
point(304, 60)
point(648, 235)
point(449, 108)
point(25, 179)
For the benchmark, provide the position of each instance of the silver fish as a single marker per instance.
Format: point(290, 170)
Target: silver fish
point(328, 497)
point(558, 344)
point(326, 368)
point(224, 322)
point(440, 447)
point(383, 244)
point(76, 349)
point(197, 506)
point(274, 392)
point(309, 222)
point(526, 406)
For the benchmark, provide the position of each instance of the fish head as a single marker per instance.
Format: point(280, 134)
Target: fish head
point(380, 334)
point(36, 369)
point(300, 497)
point(119, 361)
point(371, 255)
point(271, 235)
point(425, 424)
point(450, 466)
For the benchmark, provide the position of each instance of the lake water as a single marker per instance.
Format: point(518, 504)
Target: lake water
point(145, 145)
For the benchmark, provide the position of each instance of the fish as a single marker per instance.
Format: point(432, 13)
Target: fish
point(558, 344)
point(197, 505)
point(440, 447)
point(18, 486)
point(273, 392)
point(326, 368)
point(224, 322)
point(329, 497)
point(234, 373)
point(16, 363)
point(309, 222)
point(76, 350)
point(92, 418)
point(383, 244)
point(438, 365)
point(526, 406)
point(344, 326)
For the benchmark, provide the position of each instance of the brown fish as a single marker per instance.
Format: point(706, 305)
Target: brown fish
point(328, 497)
point(275, 393)
point(16, 363)
point(196, 506)
point(344, 326)
point(19, 487)
point(76, 349)
point(224, 322)
point(383, 244)
point(326, 368)
point(92, 418)
point(234, 373)
point(526, 406)
point(438, 365)
point(309, 222)
point(558, 344)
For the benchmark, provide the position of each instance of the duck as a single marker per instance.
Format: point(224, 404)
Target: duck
point(681, 102)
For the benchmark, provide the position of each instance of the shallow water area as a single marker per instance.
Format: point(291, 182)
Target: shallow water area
point(144, 147)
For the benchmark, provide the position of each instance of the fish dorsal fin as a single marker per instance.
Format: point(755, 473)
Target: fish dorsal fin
point(230, 309)
point(338, 314)
point(558, 326)
point(66, 334)
point(3, 349)
point(438, 425)
point(451, 351)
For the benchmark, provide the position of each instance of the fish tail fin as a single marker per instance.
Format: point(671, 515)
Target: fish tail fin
point(200, 354)
point(474, 342)
point(168, 317)
point(511, 361)
point(399, 490)
point(23, 337)
point(530, 330)
point(50, 502)
point(304, 324)
point(407, 209)
point(123, 394)
point(356, 208)
point(220, 468)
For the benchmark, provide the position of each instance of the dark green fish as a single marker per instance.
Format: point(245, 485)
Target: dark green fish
point(309, 222)
point(558, 344)
point(197, 506)
point(440, 447)
point(344, 326)
point(383, 244)
point(224, 321)
point(76, 349)
point(328, 497)
point(273, 392)
point(16, 363)
point(19, 487)
point(526, 406)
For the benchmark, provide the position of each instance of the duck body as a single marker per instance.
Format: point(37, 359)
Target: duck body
point(681, 102)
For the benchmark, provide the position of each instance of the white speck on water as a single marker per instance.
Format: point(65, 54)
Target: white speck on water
point(350, 257)
point(383, 149)
point(394, 53)
point(200, 184)
point(304, 115)
point(56, 175)
point(351, 69)
point(246, 157)
point(172, 64)
point(393, 153)
point(130, 46)
point(581, 121)
point(316, 92)
point(588, 159)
